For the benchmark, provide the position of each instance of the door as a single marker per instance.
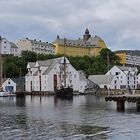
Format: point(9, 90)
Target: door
point(55, 81)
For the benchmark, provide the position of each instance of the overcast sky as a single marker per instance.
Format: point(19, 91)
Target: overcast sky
point(117, 22)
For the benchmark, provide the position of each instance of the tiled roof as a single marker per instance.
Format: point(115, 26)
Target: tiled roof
point(33, 42)
point(51, 66)
point(101, 79)
point(91, 42)
point(124, 68)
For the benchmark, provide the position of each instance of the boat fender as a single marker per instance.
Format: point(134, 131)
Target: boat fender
point(124, 98)
point(119, 99)
point(134, 99)
point(115, 99)
point(110, 98)
point(129, 99)
point(106, 99)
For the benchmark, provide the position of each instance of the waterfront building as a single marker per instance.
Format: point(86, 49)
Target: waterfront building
point(88, 45)
point(83, 81)
point(8, 47)
point(36, 46)
point(9, 85)
point(127, 76)
point(105, 81)
point(127, 58)
point(46, 76)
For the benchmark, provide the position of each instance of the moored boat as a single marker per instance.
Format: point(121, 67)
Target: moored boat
point(3, 94)
point(64, 92)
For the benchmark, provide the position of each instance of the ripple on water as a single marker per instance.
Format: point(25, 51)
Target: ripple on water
point(18, 127)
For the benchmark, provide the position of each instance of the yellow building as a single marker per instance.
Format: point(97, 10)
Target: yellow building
point(122, 55)
point(128, 57)
point(90, 46)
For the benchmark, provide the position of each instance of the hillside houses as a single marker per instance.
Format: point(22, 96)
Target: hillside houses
point(36, 46)
point(7, 47)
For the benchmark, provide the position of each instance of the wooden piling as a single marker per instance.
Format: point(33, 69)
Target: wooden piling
point(120, 105)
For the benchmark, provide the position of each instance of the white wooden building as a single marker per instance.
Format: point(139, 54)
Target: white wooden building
point(47, 76)
point(7, 47)
point(9, 85)
point(82, 81)
point(127, 76)
point(105, 81)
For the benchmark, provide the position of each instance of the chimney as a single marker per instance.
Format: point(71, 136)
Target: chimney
point(57, 37)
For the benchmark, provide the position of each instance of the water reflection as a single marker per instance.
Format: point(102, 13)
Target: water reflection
point(20, 101)
point(62, 102)
point(84, 117)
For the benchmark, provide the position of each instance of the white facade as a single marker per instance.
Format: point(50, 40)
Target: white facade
point(9, 86)
point(132, 60)
point(127, 76)
point(7, 47)
point(35, 46)
point(47, 76)
point(105, 81)
point(138, 81)
point(82, 82)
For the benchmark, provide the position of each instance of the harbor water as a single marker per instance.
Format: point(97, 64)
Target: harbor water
point(85, 117)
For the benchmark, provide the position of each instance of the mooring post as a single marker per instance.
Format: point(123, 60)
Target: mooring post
point(138, 106)
point(120, 105)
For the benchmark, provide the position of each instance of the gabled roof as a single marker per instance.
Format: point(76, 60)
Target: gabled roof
point(124, 68)
point(49, 62)
point(52, 63)
point(31, 64)
point(101, 79)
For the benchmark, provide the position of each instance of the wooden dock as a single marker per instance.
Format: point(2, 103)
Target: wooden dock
point(121, 99)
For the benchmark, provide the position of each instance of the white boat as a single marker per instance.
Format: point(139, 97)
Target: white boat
point(4, 94)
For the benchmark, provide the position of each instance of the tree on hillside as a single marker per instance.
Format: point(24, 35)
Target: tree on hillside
point(29, 56)
point(107, 56)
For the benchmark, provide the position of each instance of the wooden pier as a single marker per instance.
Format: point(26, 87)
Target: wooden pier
point(121, 99)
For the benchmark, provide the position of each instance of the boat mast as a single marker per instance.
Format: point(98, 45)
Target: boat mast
point(108, 70)
point(65, 41)
point(0, 63)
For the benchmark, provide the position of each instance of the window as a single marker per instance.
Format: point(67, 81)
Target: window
point(117, 73)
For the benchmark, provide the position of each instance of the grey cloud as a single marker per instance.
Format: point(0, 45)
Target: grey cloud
point(116, 21)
